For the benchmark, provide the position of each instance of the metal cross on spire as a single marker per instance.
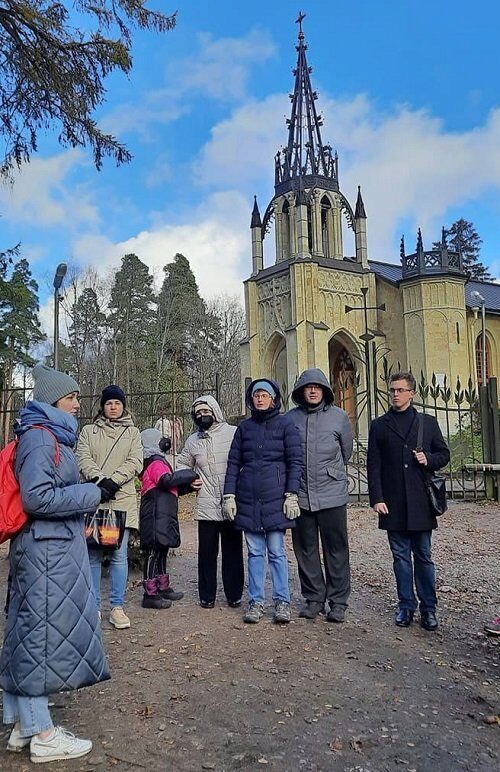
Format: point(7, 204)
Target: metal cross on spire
point(299, 21)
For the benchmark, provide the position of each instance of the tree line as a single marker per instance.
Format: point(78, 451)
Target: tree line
point(121, 330)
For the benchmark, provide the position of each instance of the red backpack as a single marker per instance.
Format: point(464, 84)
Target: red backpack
point(12, 515)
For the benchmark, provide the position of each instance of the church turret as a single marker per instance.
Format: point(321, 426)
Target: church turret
point(360, 231)
point(257, 251)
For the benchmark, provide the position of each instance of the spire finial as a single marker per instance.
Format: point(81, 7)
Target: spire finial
point(402, 248)
point(420, 243)
point(255, 222)
point(299, 21)
point(360, 207)
point(443, 237)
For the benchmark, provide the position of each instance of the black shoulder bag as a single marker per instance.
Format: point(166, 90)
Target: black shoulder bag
point(435, 484)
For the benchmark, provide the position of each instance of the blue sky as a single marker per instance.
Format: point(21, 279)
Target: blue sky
point(409, 95)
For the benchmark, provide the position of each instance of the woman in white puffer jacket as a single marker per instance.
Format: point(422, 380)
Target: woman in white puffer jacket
point(206, 452)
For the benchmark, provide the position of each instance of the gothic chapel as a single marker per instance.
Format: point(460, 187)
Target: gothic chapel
point(320, 307)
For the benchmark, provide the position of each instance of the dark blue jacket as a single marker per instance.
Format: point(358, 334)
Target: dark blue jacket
point(265, 461)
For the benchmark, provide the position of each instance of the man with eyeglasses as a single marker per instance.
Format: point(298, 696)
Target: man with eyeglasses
point(398, 495)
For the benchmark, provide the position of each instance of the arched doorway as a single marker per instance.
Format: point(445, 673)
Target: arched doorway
point(280, 373)
point(342, 378)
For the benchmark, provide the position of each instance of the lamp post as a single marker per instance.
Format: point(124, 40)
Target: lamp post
point(480, 301)
point(58, 280)
point(366, 338)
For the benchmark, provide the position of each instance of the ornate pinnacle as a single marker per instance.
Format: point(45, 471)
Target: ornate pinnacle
point(402, 253)
point(420, 243)
point(256, 222)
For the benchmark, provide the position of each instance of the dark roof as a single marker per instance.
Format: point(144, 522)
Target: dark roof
point(489, 290)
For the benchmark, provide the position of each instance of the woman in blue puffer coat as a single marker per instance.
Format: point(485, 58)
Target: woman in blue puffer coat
point(260, 493)
point(52, 636)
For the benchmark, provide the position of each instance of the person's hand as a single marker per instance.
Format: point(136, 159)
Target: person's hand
point(420, 457)
point(196, 484)
point(109, 484)
point(229, 506)
point(291, 508)
point(381, 508)
point(105, 494)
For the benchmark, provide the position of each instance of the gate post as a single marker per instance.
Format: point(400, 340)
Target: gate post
point(488, 397)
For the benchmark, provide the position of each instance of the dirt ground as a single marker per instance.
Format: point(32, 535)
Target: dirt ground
point(196, 689)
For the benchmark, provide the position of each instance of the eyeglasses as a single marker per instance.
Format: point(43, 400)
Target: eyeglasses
point(399, 391)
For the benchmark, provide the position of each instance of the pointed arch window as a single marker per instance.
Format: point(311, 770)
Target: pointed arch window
point(286, 231)
point(326, 225)
point(479, 360)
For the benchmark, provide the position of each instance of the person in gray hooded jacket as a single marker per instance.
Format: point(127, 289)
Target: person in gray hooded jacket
point(327, 439)
point(206, 451)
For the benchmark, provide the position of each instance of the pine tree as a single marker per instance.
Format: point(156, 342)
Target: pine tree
point(19, 328)
point(180, 317)
point(86, 335)
point(131, 322)
point(463, 236)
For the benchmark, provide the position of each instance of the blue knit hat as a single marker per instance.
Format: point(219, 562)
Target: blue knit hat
point(112, 392)
point(264, 386)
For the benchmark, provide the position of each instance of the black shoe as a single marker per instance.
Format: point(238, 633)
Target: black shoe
point(207, 603)
point(404, 617)
point(171, 594)
point(155, 601)
point(336, 614)
point(234, 603)
point(311, 609)
point(428, 620)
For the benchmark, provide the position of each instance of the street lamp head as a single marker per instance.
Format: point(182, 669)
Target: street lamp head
point(478, 298)
point(59, 275)
point(475, 311)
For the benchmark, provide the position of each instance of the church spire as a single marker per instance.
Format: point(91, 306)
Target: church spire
point(305, 155)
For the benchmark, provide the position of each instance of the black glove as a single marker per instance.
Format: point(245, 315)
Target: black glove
point(105, 494)
point(109, 484)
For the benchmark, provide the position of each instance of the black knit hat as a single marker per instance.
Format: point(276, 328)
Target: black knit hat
point(112, 392)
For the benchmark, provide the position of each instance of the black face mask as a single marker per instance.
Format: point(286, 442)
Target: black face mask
point(204, 422)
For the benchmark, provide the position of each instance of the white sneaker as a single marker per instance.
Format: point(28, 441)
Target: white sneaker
point(16, 743)
point(60, 746)
point(118, 618)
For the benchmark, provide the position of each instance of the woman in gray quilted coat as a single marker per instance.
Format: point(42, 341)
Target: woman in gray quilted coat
point(52, 639)
point(206, 452)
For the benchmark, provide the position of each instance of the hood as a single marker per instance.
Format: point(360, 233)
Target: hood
point(313, 375)
point(212, 404)
point(248, 395)
point(62, 424)
point(150, 439)
point(124, 420)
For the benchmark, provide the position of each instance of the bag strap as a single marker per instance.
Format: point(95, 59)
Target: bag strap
point(420, 435)
point(115, 443)
point(57, 453)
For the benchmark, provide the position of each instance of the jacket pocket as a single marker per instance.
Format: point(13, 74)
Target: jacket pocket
point(336, 473)
point(50, 529)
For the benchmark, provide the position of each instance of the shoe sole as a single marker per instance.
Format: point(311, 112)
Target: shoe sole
point(119, 626)
point(17, 748)
point(281, 621)
point(59, 757)
point(251, 621)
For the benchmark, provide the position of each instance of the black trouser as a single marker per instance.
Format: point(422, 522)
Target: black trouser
point(331, 526)
point(231, 541)
point(155, 563)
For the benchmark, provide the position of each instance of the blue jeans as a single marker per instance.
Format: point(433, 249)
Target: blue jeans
point(118, 573)
point(417, 544)
point(274, 542)
point(31, 712)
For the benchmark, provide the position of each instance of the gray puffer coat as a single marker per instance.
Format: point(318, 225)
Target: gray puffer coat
point(327, 440)
point(52, 637)
point(206, 452)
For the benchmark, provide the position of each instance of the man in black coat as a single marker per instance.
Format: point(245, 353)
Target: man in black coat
point(399, 496)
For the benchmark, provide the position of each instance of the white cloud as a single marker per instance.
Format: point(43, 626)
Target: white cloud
point(41, 193)
point(216, 241)
point(409, 166)
point(221, 68)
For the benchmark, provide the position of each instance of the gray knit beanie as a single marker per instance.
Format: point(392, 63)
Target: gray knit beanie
point(51, 385)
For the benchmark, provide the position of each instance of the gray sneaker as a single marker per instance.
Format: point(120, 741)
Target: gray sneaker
point(255, 612)
point(281, 612)
point(336, 614)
